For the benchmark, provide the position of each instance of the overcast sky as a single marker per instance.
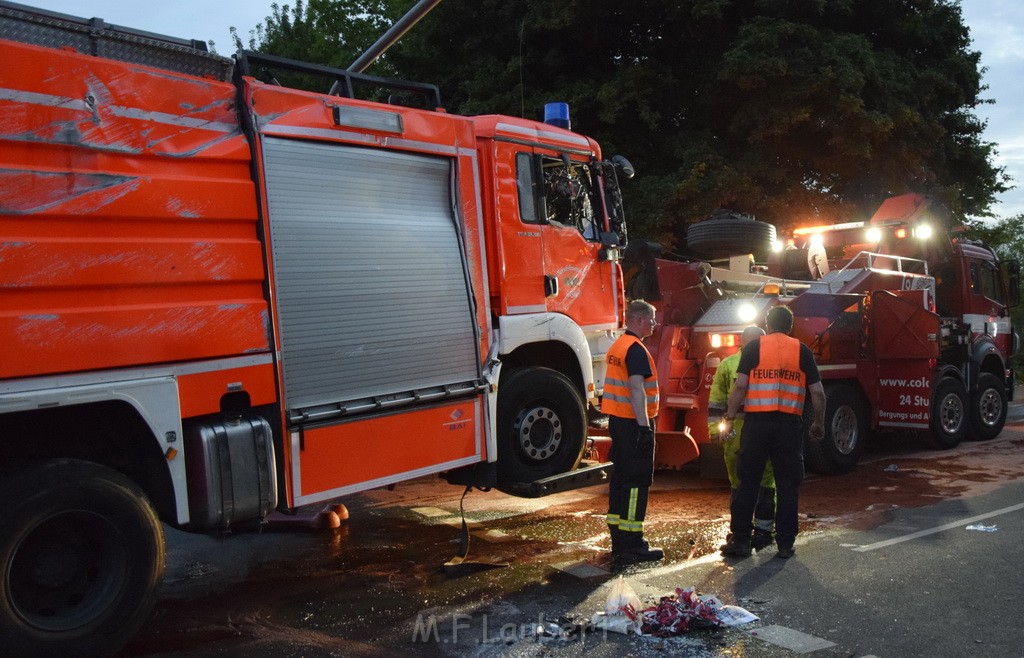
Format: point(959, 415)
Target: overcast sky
point(997, 28)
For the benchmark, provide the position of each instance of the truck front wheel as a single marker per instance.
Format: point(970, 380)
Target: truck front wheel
point(541, 425)
point(949, 414)
point(81, 559)
point(988, 408)
point(845, 427)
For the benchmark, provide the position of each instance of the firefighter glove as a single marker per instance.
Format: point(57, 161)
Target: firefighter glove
point(644, 437)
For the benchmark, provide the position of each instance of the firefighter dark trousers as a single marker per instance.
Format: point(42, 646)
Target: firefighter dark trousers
point(775, 437)
point(630, 483)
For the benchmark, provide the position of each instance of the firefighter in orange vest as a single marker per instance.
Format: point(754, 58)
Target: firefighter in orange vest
point(631, 403)
point(774, 373)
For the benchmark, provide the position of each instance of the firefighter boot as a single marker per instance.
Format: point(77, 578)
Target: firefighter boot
point(737, 547)
point(764, 519)
point(632, 548)
point(761, 539)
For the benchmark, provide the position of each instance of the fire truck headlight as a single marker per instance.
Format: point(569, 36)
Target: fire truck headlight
point(873, 235)
point(923, 231)
point(817, 240)
point(777, 246)
point(746, 312)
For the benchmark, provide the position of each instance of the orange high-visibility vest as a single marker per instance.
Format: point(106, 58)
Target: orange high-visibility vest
point(777, 383)
point(616, 400)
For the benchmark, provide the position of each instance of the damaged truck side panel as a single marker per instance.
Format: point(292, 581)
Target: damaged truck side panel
point(224, 297)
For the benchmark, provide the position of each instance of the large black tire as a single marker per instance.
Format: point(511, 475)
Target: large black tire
point(730, 235)
point(846, 426)
point(988, 408)
point(949, 414)
point(541, 425)
point(82, 559)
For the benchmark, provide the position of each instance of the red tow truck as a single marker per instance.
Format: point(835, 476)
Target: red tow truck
point(909, 324)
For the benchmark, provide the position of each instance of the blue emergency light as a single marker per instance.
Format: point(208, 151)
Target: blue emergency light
point(557, 114)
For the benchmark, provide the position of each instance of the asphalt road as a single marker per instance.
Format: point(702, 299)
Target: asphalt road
point(925, 561)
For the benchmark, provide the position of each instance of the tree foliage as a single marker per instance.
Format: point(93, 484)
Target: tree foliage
point(792, 110)
point(329, 32)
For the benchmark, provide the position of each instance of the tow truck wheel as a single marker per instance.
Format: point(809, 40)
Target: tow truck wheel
point(949, 414)
point(845, 427)
point(81, 559)
point(729, 234)
point(988, 408)
point(541, 425)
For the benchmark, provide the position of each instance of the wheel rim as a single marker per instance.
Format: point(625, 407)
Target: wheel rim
point(538, 432)
point(951, 413)
point(844, 430)
point(67, 571)
point(990, 407)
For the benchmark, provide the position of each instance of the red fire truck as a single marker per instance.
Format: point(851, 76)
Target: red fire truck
point(223, 296)
point(909, 325)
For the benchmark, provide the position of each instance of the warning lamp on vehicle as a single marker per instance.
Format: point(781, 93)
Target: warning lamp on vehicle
point(901, 233)
point(817, 239)
point(747, 312)
point(873, 234)
point(724, 340)
point(770, 289)
point(923, 231)
point(777, 246)
point(557, 114)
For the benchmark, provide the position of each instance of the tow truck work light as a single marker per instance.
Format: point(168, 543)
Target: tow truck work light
point(724, 340)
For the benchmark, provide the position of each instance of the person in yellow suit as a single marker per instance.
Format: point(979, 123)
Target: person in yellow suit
point(721, 386)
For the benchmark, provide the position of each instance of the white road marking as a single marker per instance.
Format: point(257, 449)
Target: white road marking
point(582, 570)
point(788, 638)
point(941, 528)
point(431, 512)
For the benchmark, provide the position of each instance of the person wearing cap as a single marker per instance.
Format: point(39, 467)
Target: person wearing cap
point(631, 403)
point(721, 386)
point(774, 374)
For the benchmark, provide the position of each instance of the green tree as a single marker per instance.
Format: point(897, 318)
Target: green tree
point(328, 32)
point(792, 110)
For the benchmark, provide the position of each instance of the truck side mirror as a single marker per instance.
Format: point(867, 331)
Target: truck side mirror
point(609, 247)
point(623, 167)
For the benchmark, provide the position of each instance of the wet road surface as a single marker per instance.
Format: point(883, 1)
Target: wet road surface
point(377, 586)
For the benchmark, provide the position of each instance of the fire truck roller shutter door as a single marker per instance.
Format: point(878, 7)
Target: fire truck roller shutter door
point(370, 273)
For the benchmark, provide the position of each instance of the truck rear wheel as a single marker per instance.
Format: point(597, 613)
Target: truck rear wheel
point(845, 428)
point(541, 425)
point(949, 414)
point(988, 408)
point(81, 559)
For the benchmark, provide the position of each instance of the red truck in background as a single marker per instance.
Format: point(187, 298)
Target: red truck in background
point(909, 325)
point(224, 297)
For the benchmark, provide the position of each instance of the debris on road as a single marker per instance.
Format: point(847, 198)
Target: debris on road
point(674, 614)
point(982, 528)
